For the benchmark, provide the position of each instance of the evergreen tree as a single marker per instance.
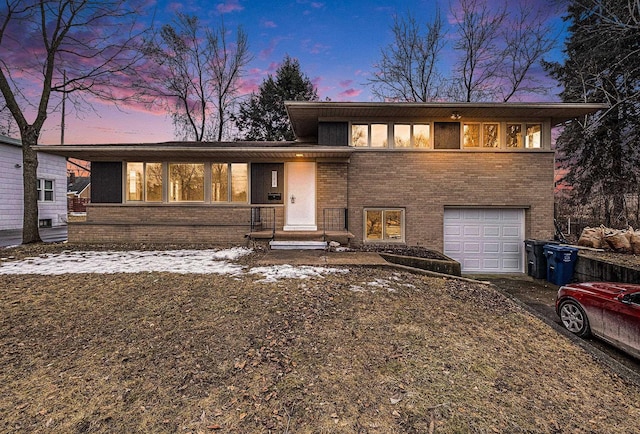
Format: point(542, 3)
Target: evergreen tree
point(263, 116)
point(602, 65)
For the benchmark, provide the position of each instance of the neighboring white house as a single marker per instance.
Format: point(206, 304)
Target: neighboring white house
point(52, 187)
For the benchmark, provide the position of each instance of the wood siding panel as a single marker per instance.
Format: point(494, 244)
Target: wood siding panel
point(106, 181)
point(333, 133)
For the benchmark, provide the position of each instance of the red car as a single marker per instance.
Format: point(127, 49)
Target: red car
point(609, 311)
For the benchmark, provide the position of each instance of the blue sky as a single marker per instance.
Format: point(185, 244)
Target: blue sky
point(336, 42)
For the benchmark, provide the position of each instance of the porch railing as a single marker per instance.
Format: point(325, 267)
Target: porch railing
point(335, 219)
point(263, 219)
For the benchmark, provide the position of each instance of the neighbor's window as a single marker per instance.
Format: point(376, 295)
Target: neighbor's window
point(186, 182)
point(514, 136)
point(45, 190)
point(229, 182)
point(384, 225)
point(533, 138)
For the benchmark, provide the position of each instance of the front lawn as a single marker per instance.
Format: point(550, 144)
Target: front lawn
point(352, 351)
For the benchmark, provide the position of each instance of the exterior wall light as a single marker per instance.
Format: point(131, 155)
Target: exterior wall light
point(455, 116)
point(18, 165)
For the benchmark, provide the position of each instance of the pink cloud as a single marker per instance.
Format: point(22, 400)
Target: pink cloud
point(316, 48)
point(229, 6)
point(317, 5)
point(345, 83)
point(350, 93)
point(269, 24)
point(265, 53)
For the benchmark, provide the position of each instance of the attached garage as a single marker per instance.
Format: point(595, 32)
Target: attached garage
point(485, 240)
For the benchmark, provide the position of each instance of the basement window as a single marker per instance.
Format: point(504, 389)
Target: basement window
point(384, 225)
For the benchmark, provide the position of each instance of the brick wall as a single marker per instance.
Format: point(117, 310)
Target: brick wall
point(121, 223)
point(424, 183)
point(331, 188)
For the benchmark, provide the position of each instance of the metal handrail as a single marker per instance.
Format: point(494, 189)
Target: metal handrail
point(263, 218)
point(335, 219)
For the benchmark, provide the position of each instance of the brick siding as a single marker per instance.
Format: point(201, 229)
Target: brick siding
point(424, 183)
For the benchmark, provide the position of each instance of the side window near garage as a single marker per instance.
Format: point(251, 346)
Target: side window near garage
point(384, 225)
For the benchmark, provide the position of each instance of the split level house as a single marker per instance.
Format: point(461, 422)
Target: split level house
point(52, 187)
point(471, 180)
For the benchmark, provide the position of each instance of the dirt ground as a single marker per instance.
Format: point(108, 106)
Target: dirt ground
point(364, 351)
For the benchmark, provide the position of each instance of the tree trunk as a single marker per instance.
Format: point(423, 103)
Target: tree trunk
point(30, 230)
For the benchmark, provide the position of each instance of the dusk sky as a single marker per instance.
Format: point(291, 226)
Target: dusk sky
point(336, 42)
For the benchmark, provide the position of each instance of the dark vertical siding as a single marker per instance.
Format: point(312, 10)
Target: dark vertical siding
point(333, 133)
point(106, 182)
point(446, 135)
point(261, 190)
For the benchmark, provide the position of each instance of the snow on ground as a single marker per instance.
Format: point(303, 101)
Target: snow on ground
point(171, 261)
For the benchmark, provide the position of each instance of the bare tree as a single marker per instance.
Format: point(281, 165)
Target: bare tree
point(195, 74)
point(494, 50)
point(92, 40)
point(408, 70)
point(527, 39)
point(478, 30)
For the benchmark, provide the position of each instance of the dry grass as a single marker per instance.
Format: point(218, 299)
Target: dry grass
point(159, 352)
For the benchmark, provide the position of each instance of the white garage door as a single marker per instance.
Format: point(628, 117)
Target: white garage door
point(485, 240)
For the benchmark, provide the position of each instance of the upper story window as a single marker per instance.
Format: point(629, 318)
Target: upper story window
point(370, 135)
point(45, 190)
point(481, 135)
point(531, 139)
point(403, 135)
point(448, 135)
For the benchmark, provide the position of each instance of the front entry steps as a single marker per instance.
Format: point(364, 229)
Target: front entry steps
point(297, 245)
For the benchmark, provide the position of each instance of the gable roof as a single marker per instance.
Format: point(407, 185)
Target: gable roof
point(305, 115)
point(79, 184)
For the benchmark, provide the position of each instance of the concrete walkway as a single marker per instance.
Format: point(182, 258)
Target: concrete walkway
point(320, 257)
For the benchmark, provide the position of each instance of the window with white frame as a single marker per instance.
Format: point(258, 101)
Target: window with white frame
point(45, 190)
point(384, 225)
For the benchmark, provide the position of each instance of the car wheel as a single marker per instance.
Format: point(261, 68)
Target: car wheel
point(574, 319)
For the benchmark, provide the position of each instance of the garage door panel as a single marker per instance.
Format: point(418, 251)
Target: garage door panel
point(485, 240)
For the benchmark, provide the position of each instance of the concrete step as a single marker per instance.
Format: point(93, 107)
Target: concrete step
point(297, 245)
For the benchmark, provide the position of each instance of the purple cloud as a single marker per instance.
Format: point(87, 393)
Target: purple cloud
point(345, 83)
point(350, 93)
point(269, 24)
point(229, 6)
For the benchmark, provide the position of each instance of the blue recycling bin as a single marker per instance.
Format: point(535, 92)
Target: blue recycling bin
point(560, 263)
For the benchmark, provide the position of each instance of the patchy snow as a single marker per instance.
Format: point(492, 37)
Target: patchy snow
point(172, 261)
point(274, 272)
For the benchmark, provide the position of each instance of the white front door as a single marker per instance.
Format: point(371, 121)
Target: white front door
point(300, 202)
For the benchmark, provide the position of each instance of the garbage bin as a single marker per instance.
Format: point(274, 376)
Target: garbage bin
point(536, 260)
point(560, 263)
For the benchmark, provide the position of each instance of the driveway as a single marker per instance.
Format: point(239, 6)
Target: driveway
point(538, 296)
point(13, 237)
